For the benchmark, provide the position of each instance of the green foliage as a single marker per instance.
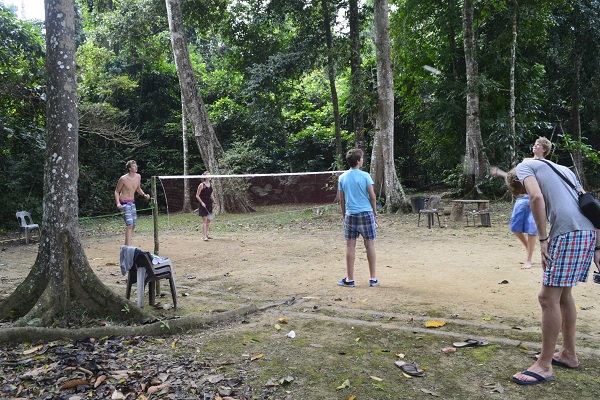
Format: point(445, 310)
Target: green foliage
point(244, 157)
point(22, 109)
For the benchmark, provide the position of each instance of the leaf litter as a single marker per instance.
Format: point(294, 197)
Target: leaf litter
point(119, 368)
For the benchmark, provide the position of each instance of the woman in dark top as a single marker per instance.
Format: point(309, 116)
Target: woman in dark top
point(204, 194)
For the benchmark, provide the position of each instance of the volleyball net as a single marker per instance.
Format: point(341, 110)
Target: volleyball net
point(302, 188)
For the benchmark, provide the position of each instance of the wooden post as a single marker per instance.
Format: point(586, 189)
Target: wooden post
point(155, 214)
point(154, 202)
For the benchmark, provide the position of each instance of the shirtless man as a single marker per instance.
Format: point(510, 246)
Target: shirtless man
point(125, 195)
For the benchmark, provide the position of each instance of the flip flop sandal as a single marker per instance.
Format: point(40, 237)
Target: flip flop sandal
point(538, 378)
point(556, 363)
point(470, 343)
point(411, 369)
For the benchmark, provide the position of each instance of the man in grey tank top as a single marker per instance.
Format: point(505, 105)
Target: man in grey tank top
point(567, 252)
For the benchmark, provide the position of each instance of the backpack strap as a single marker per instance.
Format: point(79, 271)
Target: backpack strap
point(571, 185)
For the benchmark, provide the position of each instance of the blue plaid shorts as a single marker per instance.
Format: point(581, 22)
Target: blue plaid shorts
point(360, 224)
point(572, 254)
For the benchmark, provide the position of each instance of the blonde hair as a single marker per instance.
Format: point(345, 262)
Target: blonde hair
point(129, 163)
point(545, 143)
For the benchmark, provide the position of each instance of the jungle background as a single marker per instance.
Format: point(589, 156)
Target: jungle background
point(263, 72)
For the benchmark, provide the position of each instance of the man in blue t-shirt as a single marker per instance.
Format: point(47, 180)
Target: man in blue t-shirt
point(567, 252)
point(358, 202)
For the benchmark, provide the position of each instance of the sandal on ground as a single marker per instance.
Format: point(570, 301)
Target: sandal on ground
point(470, 343)
point(411, 369)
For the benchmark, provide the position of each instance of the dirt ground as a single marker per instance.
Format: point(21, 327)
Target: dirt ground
point(469, 277)
point(470, 273)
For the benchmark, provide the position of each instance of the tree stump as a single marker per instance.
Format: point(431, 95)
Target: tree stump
point(457, 211)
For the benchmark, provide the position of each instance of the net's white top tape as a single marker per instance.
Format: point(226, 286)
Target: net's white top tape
point(246, 175)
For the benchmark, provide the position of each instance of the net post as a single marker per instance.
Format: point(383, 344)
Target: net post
point(155, 214)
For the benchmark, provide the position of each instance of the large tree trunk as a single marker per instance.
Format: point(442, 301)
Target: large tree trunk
point(382, 157)
point(61, 282)
point(576, 118)
point(227, 197)
point(512, 114)
point(331, 75)
point(475, 161)
point(187, 206)
point(357, 102)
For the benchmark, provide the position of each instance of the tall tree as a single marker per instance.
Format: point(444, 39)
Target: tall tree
point(356, 88)
point(331, 75)
point(187, 206)
point(475, 160)
point(210, 148)
point(61, 280)
point(513, 97)
point(383, 168)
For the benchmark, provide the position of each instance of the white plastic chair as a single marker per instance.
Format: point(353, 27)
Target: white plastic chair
point(25, 222)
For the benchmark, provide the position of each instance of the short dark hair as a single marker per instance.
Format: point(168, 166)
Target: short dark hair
point(353, 157)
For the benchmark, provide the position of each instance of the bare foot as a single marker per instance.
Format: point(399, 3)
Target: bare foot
point(526, 265)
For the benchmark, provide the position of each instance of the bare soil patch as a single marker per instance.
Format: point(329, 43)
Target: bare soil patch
point(469, 277)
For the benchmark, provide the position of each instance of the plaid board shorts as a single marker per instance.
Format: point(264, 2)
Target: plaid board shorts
point(572, 254)
point(362, 223)
point(129, 213)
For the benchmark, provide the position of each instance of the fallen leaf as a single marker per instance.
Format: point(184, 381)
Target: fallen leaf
point(272, 382)
point(257, 357)
point(375, 378)
point(495, 388)
point(286, 380)
point(400, 355)
point(153, 389)
point(33, 349)
point(407, 375)
point(434, 324)
point(73, 383)
point(283, 320)
point(174, 343)
point(278, 327)
point(351, 397)
point(344, 385)
point(522, 346)
point(430, 392)
point(39, 371)
point(99, 381)
point(357, 339)
point(215, 378)
point(449, 350)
